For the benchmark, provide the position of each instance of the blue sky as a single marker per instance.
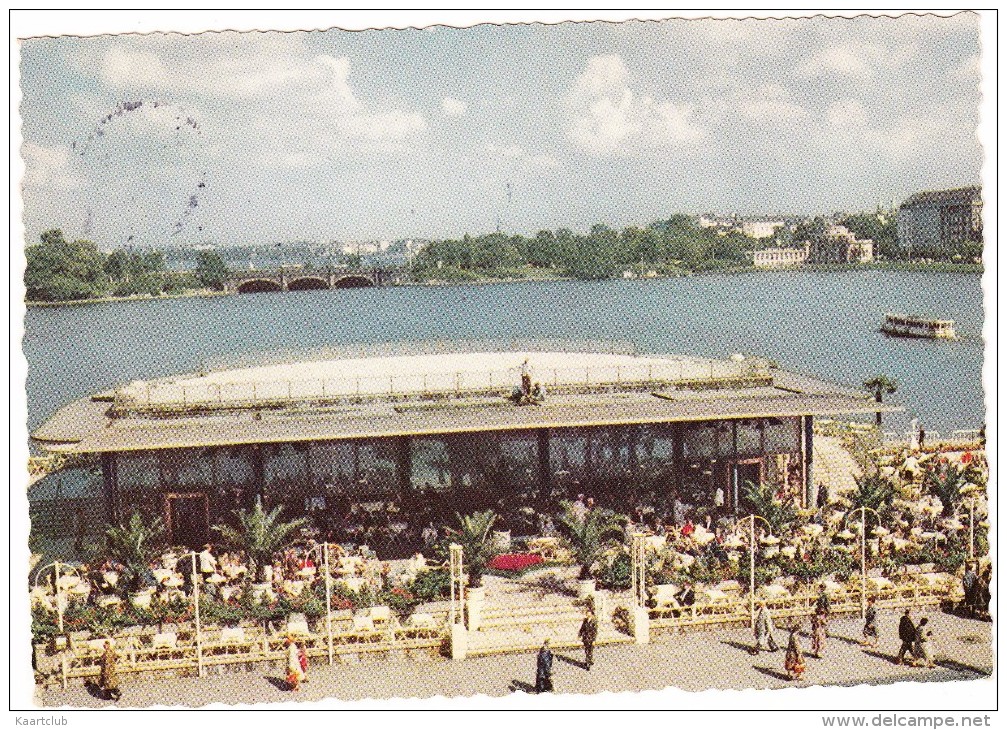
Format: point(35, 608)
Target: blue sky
point(417, 133)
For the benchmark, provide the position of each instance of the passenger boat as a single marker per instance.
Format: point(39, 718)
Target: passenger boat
point(902, 326)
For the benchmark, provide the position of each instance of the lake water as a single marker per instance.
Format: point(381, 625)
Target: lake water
point(821, 324)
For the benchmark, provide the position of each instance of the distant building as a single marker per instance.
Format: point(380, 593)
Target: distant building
point(777, 258)
point(939, 220)
point(840, 246)
point(760, 228)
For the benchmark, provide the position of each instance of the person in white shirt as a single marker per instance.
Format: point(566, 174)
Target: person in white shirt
point(207, 563)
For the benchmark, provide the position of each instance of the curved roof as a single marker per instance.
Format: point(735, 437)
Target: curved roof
point(399, 396)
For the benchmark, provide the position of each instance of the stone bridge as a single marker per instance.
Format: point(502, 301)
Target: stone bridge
point(294, 279)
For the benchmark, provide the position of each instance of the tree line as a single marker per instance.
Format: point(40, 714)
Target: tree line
point(669, 246)
point(58, 270)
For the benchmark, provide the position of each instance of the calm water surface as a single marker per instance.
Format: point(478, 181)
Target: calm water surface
point(822, 324)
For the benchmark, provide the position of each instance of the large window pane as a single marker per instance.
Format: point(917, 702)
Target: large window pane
point(749, 438)
point(187, 470)
point(782, 435)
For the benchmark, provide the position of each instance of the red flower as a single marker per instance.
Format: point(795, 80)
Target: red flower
point(514, 561)
point(967, 457)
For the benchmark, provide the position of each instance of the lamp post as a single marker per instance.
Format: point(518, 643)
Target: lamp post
point(58, 568)
point(324, 561)
point(971, 502)
point(863, 554)
point(195, 601)
point(751, 560)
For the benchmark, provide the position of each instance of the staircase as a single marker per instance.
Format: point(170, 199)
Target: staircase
point(520, 614)
point(834, 466)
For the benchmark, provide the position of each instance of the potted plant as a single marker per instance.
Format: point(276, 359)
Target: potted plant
point(260, 534)
point(477, 551)
point(589, 533)
point(134, 544)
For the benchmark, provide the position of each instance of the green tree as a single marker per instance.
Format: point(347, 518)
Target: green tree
point(133, 544)
point(58, 270)
point(260, 534)
point(873, 491)
point(946, 484)
point(880, 386)
point(211, 269)
point(760, 499)
point(474, 537)
point(589, 533)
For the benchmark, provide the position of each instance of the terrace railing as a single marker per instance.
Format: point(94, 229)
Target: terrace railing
point(168, 395)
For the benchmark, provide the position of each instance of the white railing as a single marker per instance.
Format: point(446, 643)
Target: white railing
point(195, 394)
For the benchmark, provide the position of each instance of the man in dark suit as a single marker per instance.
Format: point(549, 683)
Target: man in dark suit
point(588, 634)
point(907, 635)
point(543, 669)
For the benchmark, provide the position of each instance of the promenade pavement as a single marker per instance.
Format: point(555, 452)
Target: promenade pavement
point(695, 661)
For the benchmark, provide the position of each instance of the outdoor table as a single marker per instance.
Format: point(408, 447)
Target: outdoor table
point(879, 583)
point(813, 531)
point(67, 582)
point(831, 586)
point(226, 592)
point(352, 583)
point(703, 537)
point(932, 579)
point(728, 586)
point(712, 595)
point(162, 574)
point(293, 587)
point(216, 578)
point(774, 591)
point(233, 571)
point(898, 544)
point(656, 542)
point(306, 573)
point(111, 577)
point(789, 551)
point(421, 621)
point(106, 601)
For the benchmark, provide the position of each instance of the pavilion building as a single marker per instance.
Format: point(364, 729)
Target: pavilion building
point(316, 436)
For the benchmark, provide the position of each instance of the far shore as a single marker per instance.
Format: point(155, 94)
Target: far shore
point(934, 267)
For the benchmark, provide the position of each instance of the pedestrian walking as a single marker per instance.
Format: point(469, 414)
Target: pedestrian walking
point(295, 674)
point(764, 629)
point(907, 635)
point(819, 625)
point(871, 623)
point(970, 586)
point(108, 678)
point(588, 635)
point(302, 658)
point(794, 661)
point(924, 644)
point(543, 669)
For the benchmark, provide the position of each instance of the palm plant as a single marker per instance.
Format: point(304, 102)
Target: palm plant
point(761, 500)
point(133, 544)
point(946, 485)
point(873, 491)
point(260, 534)
point(589, 533)
point(880, 386)
point(477, 549)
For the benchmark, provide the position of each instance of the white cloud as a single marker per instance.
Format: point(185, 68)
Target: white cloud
point(452, 107)
point(48, 167)
point(606, 117)
point(850, 129)
point(855, 60)
point(771, 104)
point(289, 107)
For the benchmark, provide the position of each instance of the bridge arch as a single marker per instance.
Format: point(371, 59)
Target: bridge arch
point(352, 281)
point(256, 286)
point(307, 283)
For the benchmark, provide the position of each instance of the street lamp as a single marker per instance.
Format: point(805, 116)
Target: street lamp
point(970, 500)
point(195, 601)
point(60, 592)
point(751, 559)
point(863, 553)
point(324, 560)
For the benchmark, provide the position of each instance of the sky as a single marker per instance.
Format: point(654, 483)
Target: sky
point(254, 138)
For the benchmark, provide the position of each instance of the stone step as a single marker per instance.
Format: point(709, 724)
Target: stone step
point(572, 618)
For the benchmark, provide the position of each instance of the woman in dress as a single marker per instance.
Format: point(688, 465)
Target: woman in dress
point(794, 661)
point(108, 679)
point(294, 672)
point(818, 625)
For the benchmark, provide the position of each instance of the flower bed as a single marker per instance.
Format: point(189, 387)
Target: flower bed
point(514, 562)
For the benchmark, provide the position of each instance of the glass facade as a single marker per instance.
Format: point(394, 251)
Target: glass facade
point(619, 465)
